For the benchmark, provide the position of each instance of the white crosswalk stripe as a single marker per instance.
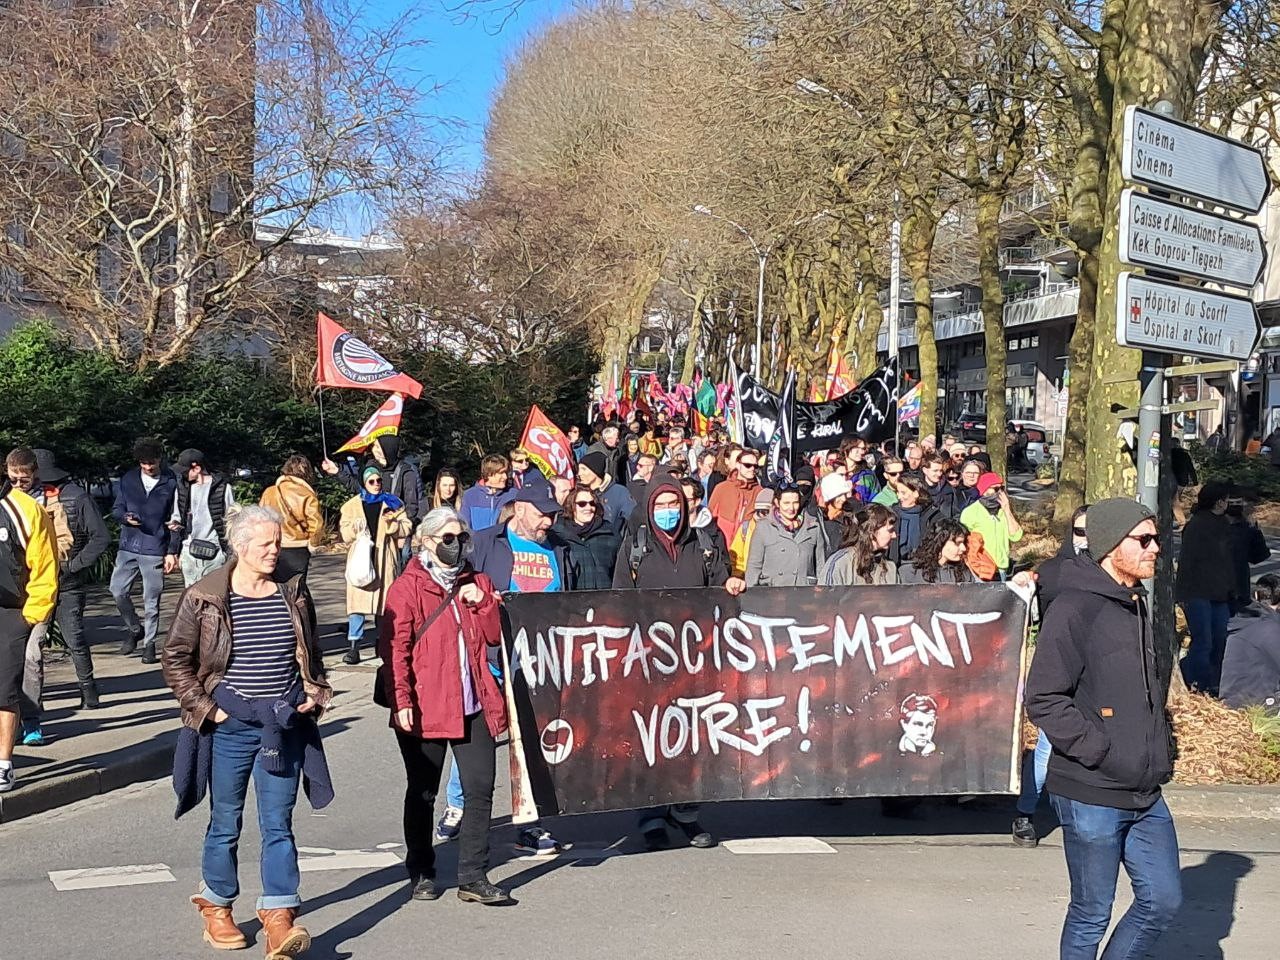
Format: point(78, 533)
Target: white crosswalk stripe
point(95, 878)
point(777, 845)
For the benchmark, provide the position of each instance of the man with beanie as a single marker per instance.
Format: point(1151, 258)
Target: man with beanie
point(992, 517)
point(593, 472)
point(201, 506)
point(1095, 691)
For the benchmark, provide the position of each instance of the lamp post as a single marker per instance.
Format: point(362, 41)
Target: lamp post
point(762, 257)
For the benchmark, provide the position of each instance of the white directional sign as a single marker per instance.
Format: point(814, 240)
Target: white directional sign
point(1184, 240)
point(1181, 158)
point(1170, 318)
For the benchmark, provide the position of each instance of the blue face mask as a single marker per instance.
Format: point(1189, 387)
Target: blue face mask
point(667, 519)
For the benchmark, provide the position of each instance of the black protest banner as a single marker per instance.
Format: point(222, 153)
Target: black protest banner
point(626, 699)
point(868, 411)
point(766, 423)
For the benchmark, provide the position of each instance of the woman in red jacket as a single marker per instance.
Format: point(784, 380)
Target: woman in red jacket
point(441, 618)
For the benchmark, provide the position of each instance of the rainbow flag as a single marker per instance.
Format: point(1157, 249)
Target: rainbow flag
point(909, 405)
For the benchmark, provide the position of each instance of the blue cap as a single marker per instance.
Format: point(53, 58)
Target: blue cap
point(539, 496)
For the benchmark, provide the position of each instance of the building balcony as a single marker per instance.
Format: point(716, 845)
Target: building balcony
point(1052, 301)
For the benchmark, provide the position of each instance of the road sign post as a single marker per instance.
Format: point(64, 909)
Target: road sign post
point(1169, 317)
point(1176, 239)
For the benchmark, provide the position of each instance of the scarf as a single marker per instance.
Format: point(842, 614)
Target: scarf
point(389, 500)
point(791, 526)
point(445, 576)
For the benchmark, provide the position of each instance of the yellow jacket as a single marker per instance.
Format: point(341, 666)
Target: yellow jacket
point(40, 555)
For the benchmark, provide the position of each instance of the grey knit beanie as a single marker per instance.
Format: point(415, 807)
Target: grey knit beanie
point(1110, 521)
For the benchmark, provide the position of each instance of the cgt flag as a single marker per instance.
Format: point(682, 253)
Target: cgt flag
point(548, 447)
point(347, 361)
point(385, 422)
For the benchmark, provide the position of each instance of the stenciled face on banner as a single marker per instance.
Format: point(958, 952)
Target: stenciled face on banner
point(633, 698)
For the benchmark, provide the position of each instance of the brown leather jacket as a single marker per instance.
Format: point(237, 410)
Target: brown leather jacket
point(196, 652)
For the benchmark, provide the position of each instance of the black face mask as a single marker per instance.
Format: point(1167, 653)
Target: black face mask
point(449, 554)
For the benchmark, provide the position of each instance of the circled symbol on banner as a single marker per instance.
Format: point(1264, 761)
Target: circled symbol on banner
point(557, 741)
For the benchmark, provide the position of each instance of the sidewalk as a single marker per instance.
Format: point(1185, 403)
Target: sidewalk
point(131, 739)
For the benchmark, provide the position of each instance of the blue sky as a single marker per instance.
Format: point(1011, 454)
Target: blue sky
point(468, 44)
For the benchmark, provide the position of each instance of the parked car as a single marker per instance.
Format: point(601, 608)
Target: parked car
point(1037, 440)
point(971, 427)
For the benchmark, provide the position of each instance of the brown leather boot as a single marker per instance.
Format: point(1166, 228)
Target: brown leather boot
point(284, 938)
point(220, 931)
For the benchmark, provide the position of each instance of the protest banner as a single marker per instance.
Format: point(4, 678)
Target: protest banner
point(627, 699)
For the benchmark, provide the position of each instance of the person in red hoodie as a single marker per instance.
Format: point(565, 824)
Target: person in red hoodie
point(441, 617)
point(733, 501)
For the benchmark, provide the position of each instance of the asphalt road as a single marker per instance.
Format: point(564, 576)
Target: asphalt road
point(948, 884)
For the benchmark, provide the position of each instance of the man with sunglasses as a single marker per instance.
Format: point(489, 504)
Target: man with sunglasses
point(894, 469)
point(731, 502)
point(1095, 691)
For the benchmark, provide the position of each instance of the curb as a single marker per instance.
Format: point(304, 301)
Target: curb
point(1224, 802)
point(152, 760)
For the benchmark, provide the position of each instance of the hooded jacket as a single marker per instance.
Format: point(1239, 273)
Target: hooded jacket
point(401, 477)
point(297, 503)
point(480, 506)
point(1251, 665)
point(1056, 573)
point(649, 559)
point(779, 557)
point(1094, 690)
point(68, 503)
point(590, 553)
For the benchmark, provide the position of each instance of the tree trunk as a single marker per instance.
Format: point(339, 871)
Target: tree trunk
point(695, 336)
point(864, 328)
point(1160, 58)
point(1071, 476)
point(185, 173)
point(918, 232)
point(990, 203)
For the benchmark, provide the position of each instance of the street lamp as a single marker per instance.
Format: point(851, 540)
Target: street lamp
point(762, 257)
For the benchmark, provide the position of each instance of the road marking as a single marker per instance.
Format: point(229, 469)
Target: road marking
point(94, 878)
point(346, 860)
point(754, 845)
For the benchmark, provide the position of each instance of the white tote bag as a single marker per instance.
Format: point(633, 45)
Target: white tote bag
point(360, 571)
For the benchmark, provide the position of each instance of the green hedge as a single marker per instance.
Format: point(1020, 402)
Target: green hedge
point(1255, 474)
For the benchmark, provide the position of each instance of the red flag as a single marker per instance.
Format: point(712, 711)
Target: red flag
point(548, 447)
point(347, 361)
point(384, 422)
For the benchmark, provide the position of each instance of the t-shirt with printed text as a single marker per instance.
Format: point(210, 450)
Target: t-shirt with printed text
point(533, 568)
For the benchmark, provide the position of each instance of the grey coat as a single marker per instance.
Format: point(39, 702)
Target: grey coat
point(780, 558)
point(840, 572)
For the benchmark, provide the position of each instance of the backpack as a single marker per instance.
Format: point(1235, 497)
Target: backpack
point(640, 548)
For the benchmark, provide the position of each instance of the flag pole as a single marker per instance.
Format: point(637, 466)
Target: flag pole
point(324, 443)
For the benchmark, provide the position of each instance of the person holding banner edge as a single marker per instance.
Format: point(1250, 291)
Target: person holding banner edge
point(665, 551)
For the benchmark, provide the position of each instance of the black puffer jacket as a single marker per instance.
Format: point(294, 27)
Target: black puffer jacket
point(1094, 690)
point(591, 554)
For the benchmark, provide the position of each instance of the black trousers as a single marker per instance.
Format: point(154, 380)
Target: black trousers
point(475, 756)
point(291, 562)
point(70, 618)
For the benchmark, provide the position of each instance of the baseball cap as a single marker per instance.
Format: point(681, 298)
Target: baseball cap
point(539, 496)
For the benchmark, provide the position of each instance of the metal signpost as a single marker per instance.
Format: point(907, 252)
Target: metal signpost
point(1156, 313)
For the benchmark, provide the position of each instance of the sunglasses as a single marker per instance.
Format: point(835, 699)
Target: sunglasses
point(748, 464)
point(449, 539)
point(895, 473)
point(1080, 531)
point(584, 504)
point(1145, 540)
point(377, 480)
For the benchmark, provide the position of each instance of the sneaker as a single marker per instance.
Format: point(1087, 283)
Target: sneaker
point(6, 779)
point(537, 841)
point(352, 656)
point(482, 891)
point(1024, 832)
point(31, 735)
point(449, 825)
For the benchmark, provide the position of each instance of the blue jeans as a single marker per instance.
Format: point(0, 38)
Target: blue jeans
point(1034, 769)
point(235, 759)
point(1207, 622)
point(355, 627)
point(453, 792)
point(1096, 841)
